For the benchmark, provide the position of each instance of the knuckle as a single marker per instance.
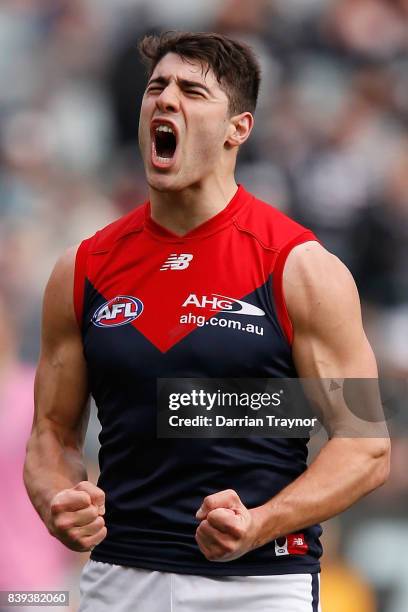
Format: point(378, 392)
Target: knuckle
point(75, 535)
point(103, 534)
point(85, 498)
point(203, 526)
point(227, 547)
point(211, 555)
point(60, 495)
point(56, 507)
point(58, 502)
point(198, 534)
point(208, 501)
point(62, 524)
point(213, 514)
point(93, 512)
point(237, 531)
point(99, 522)
point(97, 538)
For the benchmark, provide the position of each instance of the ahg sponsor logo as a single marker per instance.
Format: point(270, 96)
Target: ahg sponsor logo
point(224, 304)
point(200, 321)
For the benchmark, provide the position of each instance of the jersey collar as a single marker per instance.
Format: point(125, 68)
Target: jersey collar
point(215, 224)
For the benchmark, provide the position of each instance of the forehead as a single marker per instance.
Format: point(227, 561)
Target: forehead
point(173, 66)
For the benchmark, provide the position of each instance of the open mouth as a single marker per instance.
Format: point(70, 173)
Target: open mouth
point(164, 145)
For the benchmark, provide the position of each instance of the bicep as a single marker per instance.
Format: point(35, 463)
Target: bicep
point(324, 306)
point(330, 343)
point(61, 386)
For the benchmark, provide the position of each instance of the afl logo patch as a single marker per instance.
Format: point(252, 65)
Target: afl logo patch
point(120, 310)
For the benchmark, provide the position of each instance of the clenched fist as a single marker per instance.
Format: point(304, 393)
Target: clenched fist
point(76, 516)
point(227, 529)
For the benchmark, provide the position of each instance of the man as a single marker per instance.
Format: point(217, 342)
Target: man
point(201, 524)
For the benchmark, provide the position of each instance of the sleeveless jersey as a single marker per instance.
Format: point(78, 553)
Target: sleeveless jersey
point(139, 293)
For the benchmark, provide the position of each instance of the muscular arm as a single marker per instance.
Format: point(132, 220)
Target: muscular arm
point(329, 342)
point(54, 463)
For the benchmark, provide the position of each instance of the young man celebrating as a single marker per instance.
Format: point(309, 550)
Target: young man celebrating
point(194, 525)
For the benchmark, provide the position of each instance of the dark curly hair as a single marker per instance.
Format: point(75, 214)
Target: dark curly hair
point(233, 63)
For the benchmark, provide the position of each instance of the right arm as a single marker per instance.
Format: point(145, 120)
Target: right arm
point(54, 470)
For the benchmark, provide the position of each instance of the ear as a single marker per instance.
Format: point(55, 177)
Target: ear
point(239, 129)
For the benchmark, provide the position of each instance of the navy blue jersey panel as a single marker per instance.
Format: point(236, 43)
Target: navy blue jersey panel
point(155, 486)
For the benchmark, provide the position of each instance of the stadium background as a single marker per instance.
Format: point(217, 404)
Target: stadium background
point(330, 148)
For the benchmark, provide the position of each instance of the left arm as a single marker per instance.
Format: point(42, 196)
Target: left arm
point(329, 342)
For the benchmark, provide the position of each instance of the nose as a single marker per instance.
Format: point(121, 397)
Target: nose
point(168, 100)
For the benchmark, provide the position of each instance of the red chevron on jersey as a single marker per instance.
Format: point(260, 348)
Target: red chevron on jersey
point(210, 304)
point(136, 257)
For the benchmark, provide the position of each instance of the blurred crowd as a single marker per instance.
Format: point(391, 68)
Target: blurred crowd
point(330, 148)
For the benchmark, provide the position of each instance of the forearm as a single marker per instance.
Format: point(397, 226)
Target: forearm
point(53, 462)
point(344, 471)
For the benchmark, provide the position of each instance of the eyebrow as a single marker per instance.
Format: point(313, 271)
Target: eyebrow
point(183, 82)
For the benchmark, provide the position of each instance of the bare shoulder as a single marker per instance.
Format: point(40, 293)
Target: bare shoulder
point(63, 271)
point(58, 305)
point(317, 286)
point(324, 307)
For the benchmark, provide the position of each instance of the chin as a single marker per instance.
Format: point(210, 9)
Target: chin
point(162, 183)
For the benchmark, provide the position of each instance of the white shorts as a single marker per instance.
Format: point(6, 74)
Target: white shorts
point(114, 588)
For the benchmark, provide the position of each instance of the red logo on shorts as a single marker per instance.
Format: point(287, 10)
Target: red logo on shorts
point(293, 544)
point(297, 544)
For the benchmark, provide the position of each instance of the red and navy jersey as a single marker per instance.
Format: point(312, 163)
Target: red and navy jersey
point(152, 305)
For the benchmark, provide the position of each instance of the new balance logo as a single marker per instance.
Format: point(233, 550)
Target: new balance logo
point(177, 262)
point(298, 542)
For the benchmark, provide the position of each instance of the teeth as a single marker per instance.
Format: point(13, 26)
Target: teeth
point(164, 128)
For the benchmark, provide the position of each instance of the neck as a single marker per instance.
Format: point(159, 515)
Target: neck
point(182, 211)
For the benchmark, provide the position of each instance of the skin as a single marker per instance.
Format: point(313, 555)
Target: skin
point(329, 341)
point(71, 507)
point(201, 182)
